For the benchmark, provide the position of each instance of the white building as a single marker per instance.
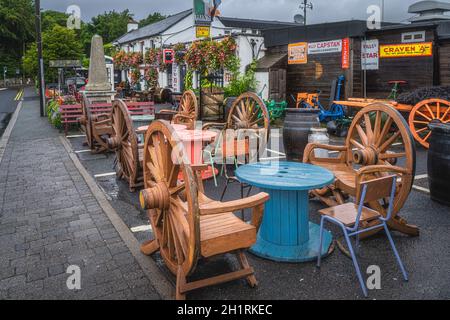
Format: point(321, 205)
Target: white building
point(180, 28)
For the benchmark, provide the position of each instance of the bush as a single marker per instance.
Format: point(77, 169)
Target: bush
point(242, 83)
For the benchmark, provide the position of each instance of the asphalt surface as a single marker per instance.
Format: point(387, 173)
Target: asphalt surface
point(426, 257)
point(8, 104)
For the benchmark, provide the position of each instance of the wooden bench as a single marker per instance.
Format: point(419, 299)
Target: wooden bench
point(70, 114)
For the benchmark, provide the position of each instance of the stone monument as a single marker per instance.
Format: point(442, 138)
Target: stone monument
point(98, 88)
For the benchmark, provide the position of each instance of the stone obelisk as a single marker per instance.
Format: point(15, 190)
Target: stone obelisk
point(98, 88)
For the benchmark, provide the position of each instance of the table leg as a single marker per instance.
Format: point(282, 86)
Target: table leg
point(286, 234)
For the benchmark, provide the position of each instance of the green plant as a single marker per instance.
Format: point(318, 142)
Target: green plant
point(53, 114)
point(189, 79)
point(241, 83)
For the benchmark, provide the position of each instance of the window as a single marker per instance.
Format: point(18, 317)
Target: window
point(152, 44)
point(142, 46)
point(409, 37)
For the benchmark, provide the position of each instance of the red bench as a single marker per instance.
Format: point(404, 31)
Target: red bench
point(70, 114)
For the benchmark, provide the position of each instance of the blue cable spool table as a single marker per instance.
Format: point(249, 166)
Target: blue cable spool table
point(286, 234)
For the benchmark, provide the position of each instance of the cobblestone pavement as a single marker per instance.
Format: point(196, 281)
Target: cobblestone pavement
point(49, 219)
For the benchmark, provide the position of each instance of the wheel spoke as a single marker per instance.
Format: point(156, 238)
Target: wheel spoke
point(424, 115)
point(390, 141)
point(427, 136)
point(369, 131)
point(385, 156)
point(377, 128)
point(421, 122)
point(385, 131)
point(362, 135)
point(429, 110)
point(445, 114)
point(356, 144)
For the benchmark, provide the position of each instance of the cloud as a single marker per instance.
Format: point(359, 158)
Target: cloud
point(284, 10)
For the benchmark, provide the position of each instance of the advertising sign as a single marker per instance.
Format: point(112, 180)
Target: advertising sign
point(370, 55)
point(203, 31)
point(202, 12)
point(297, 53)
point(325, 47)
point(423, 49)
point(65, 63)
point(169, 56)
point(346, 53)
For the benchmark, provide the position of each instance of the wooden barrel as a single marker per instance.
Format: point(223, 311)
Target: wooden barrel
point(297, 126)
point(439, 163)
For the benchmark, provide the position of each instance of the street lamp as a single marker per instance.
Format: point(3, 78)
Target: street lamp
point(37, 4)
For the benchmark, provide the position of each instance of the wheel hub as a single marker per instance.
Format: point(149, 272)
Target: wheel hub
point(366, 157)
point(157, 197)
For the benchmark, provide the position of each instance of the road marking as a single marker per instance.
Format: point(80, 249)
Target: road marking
point(420, 177)
point(7, 133)
point(425, 190)
point(101, 175)
point(141, 228)
point(19, 95)
point(276, 152)
point(82, 151)
point(76, 136)
point(2, 89)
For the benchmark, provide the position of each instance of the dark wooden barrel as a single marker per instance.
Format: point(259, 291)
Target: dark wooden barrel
point(439, 163)
point(297, 126)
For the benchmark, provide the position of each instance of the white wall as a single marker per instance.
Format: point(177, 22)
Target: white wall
point(245, 51)
point(263, 82)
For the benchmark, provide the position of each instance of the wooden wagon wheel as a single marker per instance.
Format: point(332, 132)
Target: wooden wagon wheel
point(176, 223)
point(379, 136)
point(250, 112)
point(125, 143)
point(424, 113)
point(188, 110)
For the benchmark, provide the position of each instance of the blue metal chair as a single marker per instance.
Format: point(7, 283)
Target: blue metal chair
point(349, 217)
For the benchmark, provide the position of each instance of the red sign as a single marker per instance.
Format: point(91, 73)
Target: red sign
point(346, 53)
point(169, 56)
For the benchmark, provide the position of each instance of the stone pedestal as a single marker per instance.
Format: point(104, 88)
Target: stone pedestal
point(98, 88)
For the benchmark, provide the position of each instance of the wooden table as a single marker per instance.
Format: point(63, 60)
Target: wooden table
point(286, 234)
point(194, 141)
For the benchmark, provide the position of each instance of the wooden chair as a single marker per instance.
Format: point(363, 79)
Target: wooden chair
point(378, 138)
point(350, 216)
point(187, 112)
point(188, 225)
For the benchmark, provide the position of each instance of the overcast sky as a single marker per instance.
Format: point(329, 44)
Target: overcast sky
point(283, 10)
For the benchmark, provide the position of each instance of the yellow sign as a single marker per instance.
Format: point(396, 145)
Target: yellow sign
point(298, 53)
point(203, 31)
point(424, 49)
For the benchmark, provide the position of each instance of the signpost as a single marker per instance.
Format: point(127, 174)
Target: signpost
point(65, 64)
point(5, 70)
point(370, 55)
point(423, 49)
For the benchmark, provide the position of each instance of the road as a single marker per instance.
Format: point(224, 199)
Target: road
point(9, 99)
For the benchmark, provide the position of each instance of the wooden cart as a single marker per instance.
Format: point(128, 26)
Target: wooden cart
point(420, 116)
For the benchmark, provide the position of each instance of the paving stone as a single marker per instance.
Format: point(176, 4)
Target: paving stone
point(59, 223)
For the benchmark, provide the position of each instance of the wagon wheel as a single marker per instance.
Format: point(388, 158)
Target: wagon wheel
point(124, 142)
point(188, 109)
point(379, 135)
point(175, 222)
point(424, 113)
point(250, 112)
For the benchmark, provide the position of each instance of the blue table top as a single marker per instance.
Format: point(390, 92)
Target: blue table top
point(284, 175)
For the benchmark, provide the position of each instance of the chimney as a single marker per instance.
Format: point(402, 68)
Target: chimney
point(132, 25)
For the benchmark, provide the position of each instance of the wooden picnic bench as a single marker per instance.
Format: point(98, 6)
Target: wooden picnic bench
point(70, 115)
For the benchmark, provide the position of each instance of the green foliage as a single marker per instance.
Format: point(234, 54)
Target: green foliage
point(50, 18)
point(151, 18)
point(53, 113)
point(59, 43)
point(189, 79)
point(16, 28)
point(241, 83)
point(110, 25)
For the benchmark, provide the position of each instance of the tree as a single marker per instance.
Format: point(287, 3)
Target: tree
point(16, 30)
point(152, 18)
point(59, 43)
point(51, 18)
point(110, 25)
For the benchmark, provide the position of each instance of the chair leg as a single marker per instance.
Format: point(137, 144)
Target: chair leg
point(181, 281)
point(355, 263)
point(242, 258)
point(224, 190)
point(319, 257)
point(397, 256)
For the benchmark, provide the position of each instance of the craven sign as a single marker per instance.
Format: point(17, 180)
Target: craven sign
point(423, 49)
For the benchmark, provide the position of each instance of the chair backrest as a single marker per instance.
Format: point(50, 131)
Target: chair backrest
point(375, 190)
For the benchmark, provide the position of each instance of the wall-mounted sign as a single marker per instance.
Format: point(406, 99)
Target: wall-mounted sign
point(370, 55)
point(203, 31)
point(346, 53)
point(202, 12)
point(169, 56)
point(424, 49)
point(325, 47)
point(298, 53)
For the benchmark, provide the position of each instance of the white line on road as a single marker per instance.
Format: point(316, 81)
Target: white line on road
point(101, 175)
point(420, 177)
point(421, 189)
point(82, 151)
point(141, 228)
point(76, 136)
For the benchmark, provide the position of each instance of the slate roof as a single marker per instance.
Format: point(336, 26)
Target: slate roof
point(254, 24)
point(153, 29)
